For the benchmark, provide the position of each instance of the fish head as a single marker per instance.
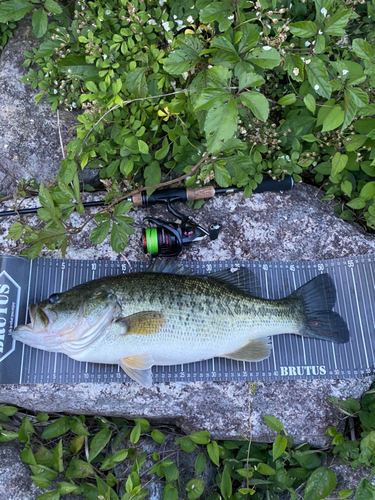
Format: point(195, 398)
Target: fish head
point(74, 317)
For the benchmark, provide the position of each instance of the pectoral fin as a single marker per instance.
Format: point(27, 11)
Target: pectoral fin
point(138, 368)
point(142, 323)
point(255, 350)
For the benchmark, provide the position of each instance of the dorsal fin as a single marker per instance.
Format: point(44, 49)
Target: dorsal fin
point(159, 265)
point(240, 278)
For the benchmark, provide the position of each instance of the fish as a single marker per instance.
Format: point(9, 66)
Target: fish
point(169, 316)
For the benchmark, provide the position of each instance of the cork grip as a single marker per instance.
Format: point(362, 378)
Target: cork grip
point(137, 200)
point(200, 193)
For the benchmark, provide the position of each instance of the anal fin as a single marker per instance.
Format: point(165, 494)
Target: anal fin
point(138, 368)
point(254, 350)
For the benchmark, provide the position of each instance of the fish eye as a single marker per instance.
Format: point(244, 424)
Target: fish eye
point(54, 298)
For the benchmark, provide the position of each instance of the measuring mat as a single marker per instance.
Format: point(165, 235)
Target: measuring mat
point(24, 282)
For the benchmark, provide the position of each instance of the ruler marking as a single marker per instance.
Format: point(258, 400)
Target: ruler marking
point(360, 318)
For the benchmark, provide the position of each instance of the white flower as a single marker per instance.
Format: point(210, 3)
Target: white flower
point(323, 10)
point(308, 61)
point(175, 17)
point(152, 22)
point(74, 105)
point(162, 2)
point(166, 26)
point(316, 87)
point(185, 75)
point(345, 71)
point(55, 82)
point(307, 44)
point(105, 56)
point(266, 47)
point(107, 12)
point(190, 19)
point(209, 66)
point(320, 32)
point(54, 91)
point(296, 71)
point(231, 17)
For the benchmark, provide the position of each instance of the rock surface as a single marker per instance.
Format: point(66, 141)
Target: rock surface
point(294, 225)
point(29, 134)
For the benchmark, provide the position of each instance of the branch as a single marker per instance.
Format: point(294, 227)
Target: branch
point(123, 104)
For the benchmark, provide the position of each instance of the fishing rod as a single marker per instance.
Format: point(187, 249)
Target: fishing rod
point(168, 238)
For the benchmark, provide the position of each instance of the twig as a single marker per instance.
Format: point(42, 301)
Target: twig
point(61, 142)
point(123, 104)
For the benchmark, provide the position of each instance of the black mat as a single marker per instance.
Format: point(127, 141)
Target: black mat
point(23, 282)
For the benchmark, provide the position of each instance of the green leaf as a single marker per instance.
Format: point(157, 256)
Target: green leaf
point(195, 488)
point(50, 495)
point(27, 456)
point(318, 77)
point(221, 122)
point(363, 49)
point(57, 458)
point(339, 162)
point(359, 96)
point(200, 464)
point(265, 57)
point(6, 436)
point(355, 142)
point(185, 57)
point(78, 469)
point(77, 427)
point(221, 12)
point(310, 103)
point(100, 233)
point(309, 138)
point(91, 86)
point(213, 452)
point(257, 103)
point(368, 191)
point(65, 488)
point(265, 469)
point(57, 428)
point(345, 493)
point(38, 97)
point(98, 443)
point(365, 490)
point(15, 232)
point(171, 472)
point(335, 24)
point(170, 492)
point(158, 436)
point(222, 176)
point(320, 484)
point(111, 460)
point(273, 422)
point(334, 119)
point(39, 22)
point(76, 66)
point(201, 437)
point(226, 484)
point(143, 148)
point(304, 29)
point(357, 203)
point(14, 10)
point(123, 207)
point(53, 7)
point(136, 82)
point(279, 446)
point(186, 444)
point(346, 187)
point(287, 99)
point(135, 434)
point(350, 109)
point(119, 238)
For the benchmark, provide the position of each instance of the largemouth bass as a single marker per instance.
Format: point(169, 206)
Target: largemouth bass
point(167, 317)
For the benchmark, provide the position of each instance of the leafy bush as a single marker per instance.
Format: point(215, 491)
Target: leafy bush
point(103, 456)
point(264, 88)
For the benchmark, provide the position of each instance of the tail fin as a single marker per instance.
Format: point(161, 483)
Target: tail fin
point(318, 297)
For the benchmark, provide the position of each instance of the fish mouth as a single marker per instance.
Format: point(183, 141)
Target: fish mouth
point(38, 332)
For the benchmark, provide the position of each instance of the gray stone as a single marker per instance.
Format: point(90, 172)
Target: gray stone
point(294, 225)
point(29, 134)
point(15, 475)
